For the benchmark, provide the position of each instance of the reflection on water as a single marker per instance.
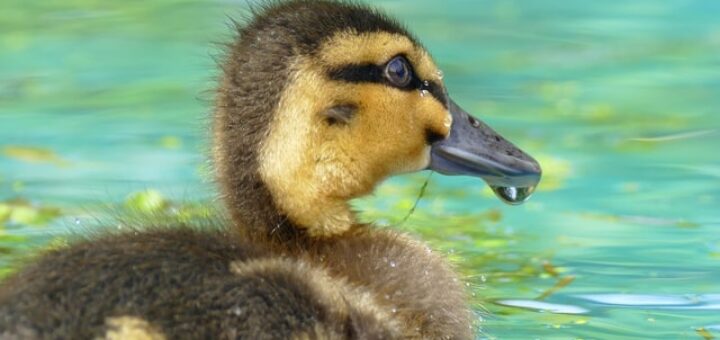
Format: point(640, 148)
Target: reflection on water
point(586, 302)
point(543, 306)
point(698, 302)
point(103, 104)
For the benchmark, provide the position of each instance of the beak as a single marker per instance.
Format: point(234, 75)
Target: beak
point(474, 149)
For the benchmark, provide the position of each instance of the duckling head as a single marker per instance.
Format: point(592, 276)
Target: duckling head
point(320, 101)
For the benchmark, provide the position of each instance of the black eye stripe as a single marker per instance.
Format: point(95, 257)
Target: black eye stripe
point(371, 73)
point(368, 73)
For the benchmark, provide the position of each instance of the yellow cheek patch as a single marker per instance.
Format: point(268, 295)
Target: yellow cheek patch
point(390, 129)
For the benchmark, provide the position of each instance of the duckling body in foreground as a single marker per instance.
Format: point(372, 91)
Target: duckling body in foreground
point(182, 283)
point(319, 101)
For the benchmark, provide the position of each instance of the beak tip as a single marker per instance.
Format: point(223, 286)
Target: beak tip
point(475, 149)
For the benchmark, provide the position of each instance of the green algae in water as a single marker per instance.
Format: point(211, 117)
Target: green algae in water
point(22, 212)
point(147, 201)
point(33, 154)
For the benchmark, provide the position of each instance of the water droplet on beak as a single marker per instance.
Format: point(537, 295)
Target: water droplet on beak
point(513, 195)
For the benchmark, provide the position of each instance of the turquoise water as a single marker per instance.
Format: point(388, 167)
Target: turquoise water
point(104, 104)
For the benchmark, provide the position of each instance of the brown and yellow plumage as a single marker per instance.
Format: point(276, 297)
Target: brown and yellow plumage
point(306, 119)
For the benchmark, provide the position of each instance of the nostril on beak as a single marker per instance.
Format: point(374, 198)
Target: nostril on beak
point(474, 122)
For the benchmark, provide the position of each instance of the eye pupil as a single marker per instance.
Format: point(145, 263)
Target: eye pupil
point(397, 72)
point(397, 69)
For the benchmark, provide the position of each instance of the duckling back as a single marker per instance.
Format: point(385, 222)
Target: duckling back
point(179, 283)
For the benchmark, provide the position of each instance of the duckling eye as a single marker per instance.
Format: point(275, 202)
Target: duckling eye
point(398, 72)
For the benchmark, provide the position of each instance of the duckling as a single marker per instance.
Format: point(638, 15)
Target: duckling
point(318, 102)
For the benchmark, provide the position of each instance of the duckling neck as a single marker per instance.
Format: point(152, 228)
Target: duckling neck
point(246, 197)
point(260, 217)
point(239, 126)
point(254, 213)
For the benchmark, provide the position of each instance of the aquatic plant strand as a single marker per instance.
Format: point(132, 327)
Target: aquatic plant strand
point(417, 200)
